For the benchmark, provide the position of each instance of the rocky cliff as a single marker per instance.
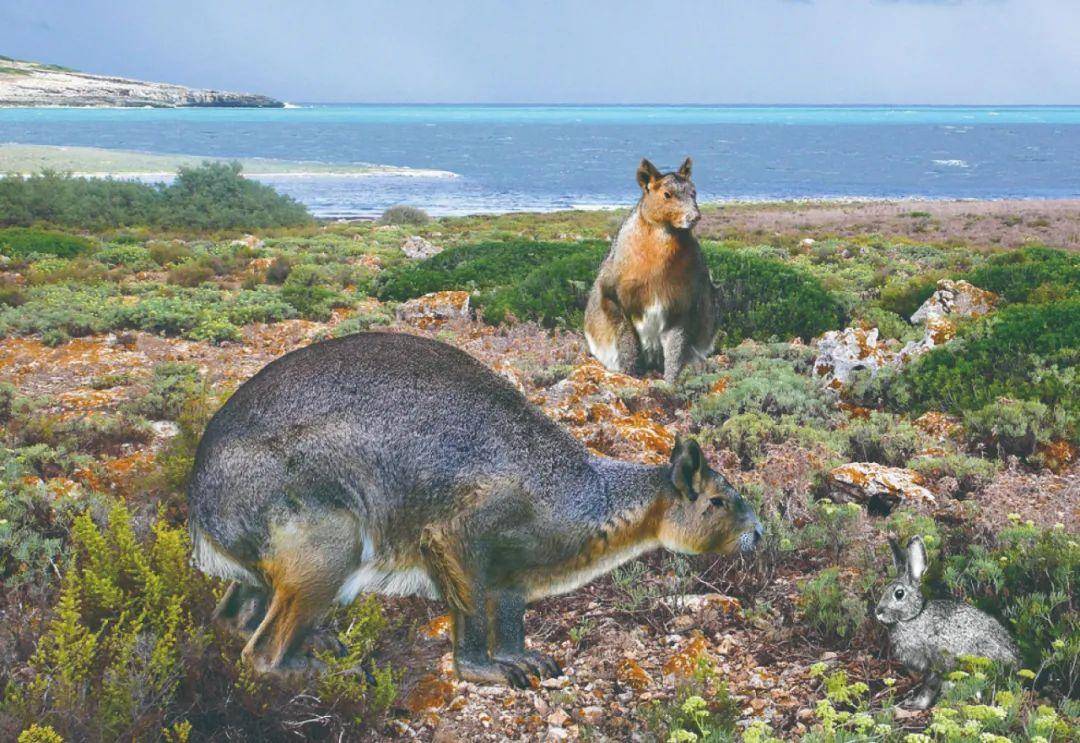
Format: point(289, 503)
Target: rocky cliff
point(33, 84)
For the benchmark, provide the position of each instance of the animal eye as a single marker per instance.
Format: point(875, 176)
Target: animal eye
point(667, 194)
point(720, 502)
point(899, 593)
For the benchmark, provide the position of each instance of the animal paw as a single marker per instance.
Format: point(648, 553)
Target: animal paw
point(540, 665)
point(494, 672)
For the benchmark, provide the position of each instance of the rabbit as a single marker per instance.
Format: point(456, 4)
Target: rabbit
point(929, 636)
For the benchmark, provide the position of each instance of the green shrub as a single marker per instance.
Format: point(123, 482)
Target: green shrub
point(1030, 580)
point(554, 294)
point(971, 474)
point(169, 253)
point(402, 214)
point(830, 607)
point(903, 296)
point(362, 321)
point(749, 434)
point(769, 386)
point(889, 324)
point(882, 438)
point(1025, 352)
point(306, 291)
point(109, 662)
point(761, 298)
point(1012, 427)
point(832, 527)
point(131, 257)
point(341, 683)
point(17, 242)
point(190, 273)
point(212, 196)
point(172, 384)
point(1029, 273)
point(94, 433)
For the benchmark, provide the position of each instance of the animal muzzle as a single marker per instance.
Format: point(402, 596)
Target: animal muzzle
point(689, 220)
point(748, 540)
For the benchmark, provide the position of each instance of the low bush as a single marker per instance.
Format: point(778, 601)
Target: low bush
point(131, 257)
point(169, 253)
point(1029, 579)
point(1023, 352)
point(830, 607)
point(190, 273)
point(306, 291)
point(110, 661)
point(903, 296)
point(965, 475)
point(1029, 274)
point(18, 242)
point(762, 298)
point(404, 215)
point(882, 438)
point(172, 385)
point(212, 196)
point(769, 386)
point(1016, 427)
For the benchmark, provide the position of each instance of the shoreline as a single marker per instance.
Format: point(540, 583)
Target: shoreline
point(101, 162)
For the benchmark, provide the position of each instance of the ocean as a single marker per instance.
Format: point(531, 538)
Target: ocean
point(513, 158)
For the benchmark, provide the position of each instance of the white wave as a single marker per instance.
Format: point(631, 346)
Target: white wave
point(952, 163)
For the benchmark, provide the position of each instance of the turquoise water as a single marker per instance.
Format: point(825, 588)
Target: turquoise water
point(550, 157)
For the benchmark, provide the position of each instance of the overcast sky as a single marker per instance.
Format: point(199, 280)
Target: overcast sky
point(663, 51)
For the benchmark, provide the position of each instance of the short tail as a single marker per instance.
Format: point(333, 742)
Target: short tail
point(211, 558)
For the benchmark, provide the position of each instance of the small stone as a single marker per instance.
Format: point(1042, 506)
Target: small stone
point(165, 429)
point(418, 248)
point(558, 733)
point(592, 714)
point(558, 718)
point(560, 682)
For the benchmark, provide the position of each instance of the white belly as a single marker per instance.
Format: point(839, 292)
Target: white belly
point(649, 327)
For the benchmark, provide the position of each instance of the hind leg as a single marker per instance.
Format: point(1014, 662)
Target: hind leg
point(507, 612)
point(241, 609)
point(308, 562)
point(612, 339)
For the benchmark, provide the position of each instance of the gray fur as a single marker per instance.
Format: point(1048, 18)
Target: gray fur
point(929, 636)
point(380, 457)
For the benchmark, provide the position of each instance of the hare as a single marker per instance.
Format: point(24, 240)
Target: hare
point(929, 636)
point(399, 465)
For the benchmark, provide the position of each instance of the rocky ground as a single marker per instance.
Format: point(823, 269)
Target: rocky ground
point(628, 643)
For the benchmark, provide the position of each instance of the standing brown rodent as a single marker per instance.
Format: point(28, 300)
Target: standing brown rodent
point(653, 304)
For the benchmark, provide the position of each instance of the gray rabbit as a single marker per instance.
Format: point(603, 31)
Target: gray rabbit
point(929, 636)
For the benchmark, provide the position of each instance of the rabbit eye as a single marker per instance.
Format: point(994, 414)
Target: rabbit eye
point(718, 502)
point(899, 593)
point(667, 194)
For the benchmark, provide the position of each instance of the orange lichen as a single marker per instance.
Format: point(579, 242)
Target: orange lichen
point(1057, 455)
point(431, 692)
point(437, 627)
point(684, 662)
point(633, 675)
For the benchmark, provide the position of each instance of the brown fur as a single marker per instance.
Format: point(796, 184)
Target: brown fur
point(652, 305)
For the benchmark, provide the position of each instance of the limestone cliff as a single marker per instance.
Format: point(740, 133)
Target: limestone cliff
point(34, 84)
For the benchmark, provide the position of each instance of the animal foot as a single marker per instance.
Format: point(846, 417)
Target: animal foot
point(536, 664)
point(495, 672)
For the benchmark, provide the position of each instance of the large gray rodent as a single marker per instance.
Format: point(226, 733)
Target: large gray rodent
point(929, 636)
point(395, 464)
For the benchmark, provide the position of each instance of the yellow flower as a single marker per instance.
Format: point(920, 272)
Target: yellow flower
point(1026, 673)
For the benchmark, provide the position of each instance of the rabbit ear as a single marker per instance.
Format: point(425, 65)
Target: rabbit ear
point(899, 560)
point(916, 559)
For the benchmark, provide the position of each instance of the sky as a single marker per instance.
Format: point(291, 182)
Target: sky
point(589, 51)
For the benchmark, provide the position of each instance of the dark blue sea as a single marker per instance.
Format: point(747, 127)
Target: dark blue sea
point(509, 158)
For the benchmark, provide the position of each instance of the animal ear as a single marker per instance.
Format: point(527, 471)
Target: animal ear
point(916, 559)
point(684, 169)
point(899, 560)
point(687, 463)
point(646, 173)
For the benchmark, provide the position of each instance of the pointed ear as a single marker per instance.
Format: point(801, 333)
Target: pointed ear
point(687, 464)
point(684, 169)
point(899, 560)
point(916, 559)
point(646, 173)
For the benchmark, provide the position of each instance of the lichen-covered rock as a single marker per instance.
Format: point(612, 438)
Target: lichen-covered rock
point(872, 483)
point(435, 307)
point(841, 352)
point(591, 403)
point(956, 298)
point(417, 248)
